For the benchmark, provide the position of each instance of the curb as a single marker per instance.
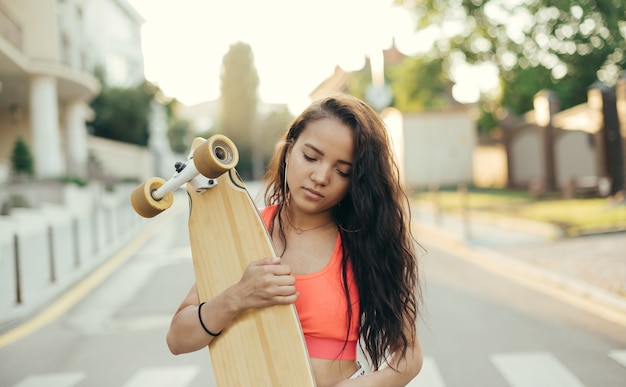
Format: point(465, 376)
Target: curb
point(527, 226)
point(577, 293)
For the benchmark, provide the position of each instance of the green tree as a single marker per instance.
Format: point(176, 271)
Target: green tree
point(273, 126)
point(22, 159)
point(179, 134)
point(122, 114)
point(239, 84)
point(563, 45)
point(418, 84)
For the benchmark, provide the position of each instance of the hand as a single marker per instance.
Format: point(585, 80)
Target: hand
point(264, 283)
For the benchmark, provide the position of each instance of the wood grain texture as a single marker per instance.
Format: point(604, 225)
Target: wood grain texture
point(263, 347)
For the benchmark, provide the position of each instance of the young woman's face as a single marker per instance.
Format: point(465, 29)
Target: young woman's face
point(319, 165)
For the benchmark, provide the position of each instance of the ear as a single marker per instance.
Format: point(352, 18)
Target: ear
point(288, 153)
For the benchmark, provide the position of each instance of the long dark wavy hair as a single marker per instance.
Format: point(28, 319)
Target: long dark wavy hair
point(374, 222)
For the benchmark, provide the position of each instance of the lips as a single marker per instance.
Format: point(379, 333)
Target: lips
point(313, 193)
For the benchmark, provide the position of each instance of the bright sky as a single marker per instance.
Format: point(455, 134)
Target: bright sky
point(296, 44)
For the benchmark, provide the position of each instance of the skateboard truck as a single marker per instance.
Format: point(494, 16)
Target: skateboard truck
point(203, 166)
point(185, 173)
point(199, 183)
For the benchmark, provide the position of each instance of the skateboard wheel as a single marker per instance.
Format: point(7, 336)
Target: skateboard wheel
point(215, 156)
point(144, 204)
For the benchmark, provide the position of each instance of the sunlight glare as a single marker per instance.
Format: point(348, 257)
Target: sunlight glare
point(296, 44)
point(473, 80)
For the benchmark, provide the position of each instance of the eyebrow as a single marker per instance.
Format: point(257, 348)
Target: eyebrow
point(315, 149)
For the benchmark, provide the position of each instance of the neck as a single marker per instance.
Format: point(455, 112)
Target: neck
point(302, 223)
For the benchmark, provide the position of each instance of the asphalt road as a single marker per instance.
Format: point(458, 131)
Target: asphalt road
point(479, 329)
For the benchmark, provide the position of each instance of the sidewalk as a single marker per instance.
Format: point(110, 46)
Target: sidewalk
point(587, 271)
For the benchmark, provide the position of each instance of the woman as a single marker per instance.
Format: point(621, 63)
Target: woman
point(338, 219)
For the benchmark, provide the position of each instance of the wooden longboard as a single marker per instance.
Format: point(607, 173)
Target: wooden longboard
point(262, 347)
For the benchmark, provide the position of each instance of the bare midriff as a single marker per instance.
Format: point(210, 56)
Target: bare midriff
point(330, 372)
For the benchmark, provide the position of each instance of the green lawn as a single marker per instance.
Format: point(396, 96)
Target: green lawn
point(575, 217)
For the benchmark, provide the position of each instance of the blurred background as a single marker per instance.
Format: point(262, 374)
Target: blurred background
point(505, 95)
point(500, 112)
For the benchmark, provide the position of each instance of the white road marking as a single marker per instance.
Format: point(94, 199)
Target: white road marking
point(163, 377)
point(521, 369)
point(619, 356)
point(57, 380)
point(534, 369)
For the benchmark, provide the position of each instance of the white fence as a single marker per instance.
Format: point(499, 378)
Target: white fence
point(45, 250)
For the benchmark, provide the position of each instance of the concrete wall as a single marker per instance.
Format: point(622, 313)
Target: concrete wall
point(574, 156)
point(117, 159)
point(438, 148)
point(122, 160)
point(40, 37)
point(527, 159)
point(490, 166)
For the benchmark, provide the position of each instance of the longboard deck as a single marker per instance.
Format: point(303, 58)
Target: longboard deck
point(263, 347)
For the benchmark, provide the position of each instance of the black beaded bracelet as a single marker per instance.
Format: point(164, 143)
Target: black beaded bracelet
point(202, 323)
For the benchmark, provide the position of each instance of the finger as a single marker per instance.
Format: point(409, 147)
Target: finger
point(284, 280)
point(285, 291)
point(279, 269)
point(285, 300)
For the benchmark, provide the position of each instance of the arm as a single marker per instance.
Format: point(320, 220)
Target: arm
point(265, 282)
point(403, 371)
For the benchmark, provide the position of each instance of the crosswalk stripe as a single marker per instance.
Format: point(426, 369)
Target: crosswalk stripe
point(69, 379)
point(535, 369)
point(429, 376)
point(163, 377)
point(619, 356)
point(529, 369)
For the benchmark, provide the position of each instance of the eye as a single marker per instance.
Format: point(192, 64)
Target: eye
point(307, 157)
point(342, 173)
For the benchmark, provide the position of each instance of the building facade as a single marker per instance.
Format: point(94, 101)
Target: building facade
point(49, 53)
point(578, 150)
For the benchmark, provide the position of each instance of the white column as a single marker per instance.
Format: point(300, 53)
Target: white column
point(158, 142)
point(44, 116)
point(77, 153)
point(395, 128)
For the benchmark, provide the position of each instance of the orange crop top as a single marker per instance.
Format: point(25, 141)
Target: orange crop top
point(322, 307)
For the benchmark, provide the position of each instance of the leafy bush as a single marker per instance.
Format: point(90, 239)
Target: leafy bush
point(122, 114)
point(22, 159)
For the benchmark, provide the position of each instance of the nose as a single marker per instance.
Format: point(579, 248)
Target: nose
point(321, 175)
